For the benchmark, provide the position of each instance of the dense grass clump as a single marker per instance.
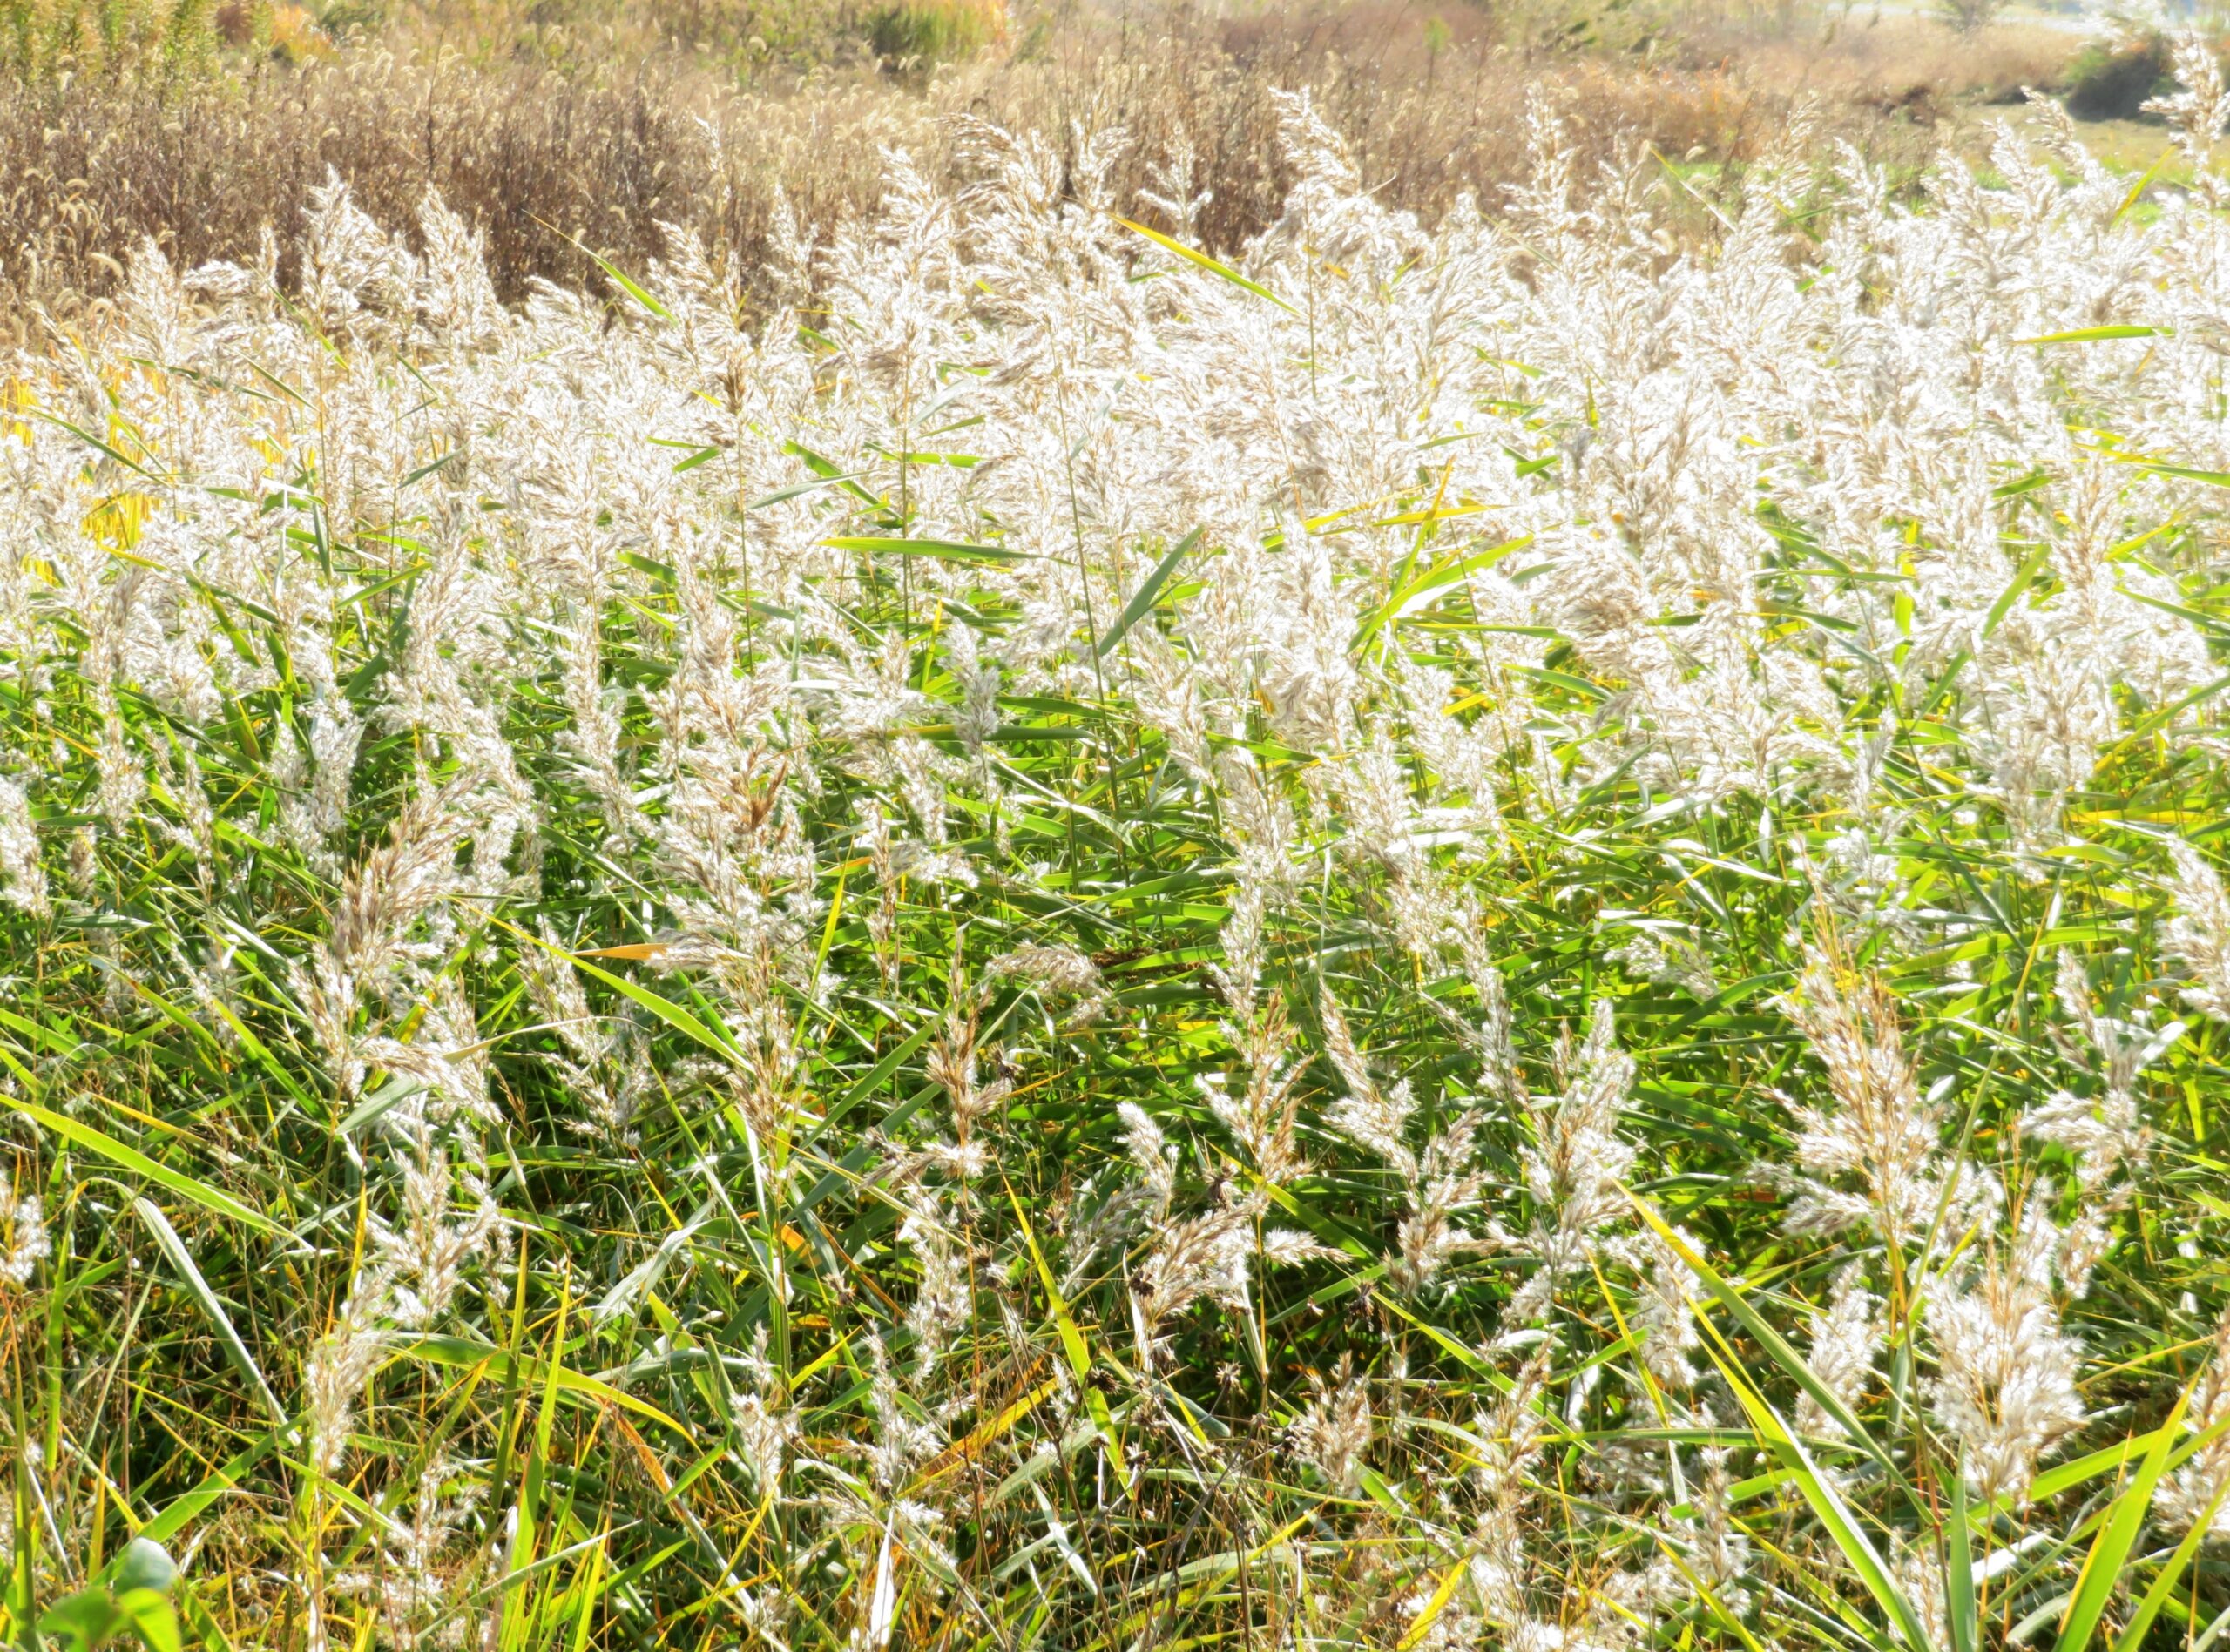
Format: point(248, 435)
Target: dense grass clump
point(997, 935)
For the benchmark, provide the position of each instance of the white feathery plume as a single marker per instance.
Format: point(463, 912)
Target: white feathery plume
point(2198, 935)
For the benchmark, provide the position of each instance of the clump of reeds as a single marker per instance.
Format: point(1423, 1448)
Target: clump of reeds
point(1498, 932)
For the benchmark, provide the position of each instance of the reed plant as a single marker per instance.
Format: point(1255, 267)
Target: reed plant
point(1002, 934)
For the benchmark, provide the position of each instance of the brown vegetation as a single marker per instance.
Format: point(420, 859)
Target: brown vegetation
point(596, 130)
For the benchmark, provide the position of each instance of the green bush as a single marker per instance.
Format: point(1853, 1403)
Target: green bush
point(40, 40)
point(928, 31)
point(2112, 80)
point(2115, 78)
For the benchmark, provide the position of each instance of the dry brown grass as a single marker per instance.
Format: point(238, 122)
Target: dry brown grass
point(536, 154)
point(1906, 64)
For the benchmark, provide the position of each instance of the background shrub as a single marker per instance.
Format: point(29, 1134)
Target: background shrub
point(2111, 80)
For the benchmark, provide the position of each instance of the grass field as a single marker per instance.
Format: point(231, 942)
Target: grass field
point(559, 122)
point(1118, 889)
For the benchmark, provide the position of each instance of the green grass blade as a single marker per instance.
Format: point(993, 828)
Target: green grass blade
point(2160, 468)
point(1776, 1346)
point(2090, 335)
point(877, 1076)
point(466, 1354)
point(1828, 1506)
point(167, 1239)
point(139, 1164)
point(2102, 1568)
point(1959, 1568)
point(664, 1009)
point(1432, 579)
point(1212, 266)
point(1073, 1342)
point(2022, 578)
point(2140, 1622)
point(618, 277)
point(1142, 602)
